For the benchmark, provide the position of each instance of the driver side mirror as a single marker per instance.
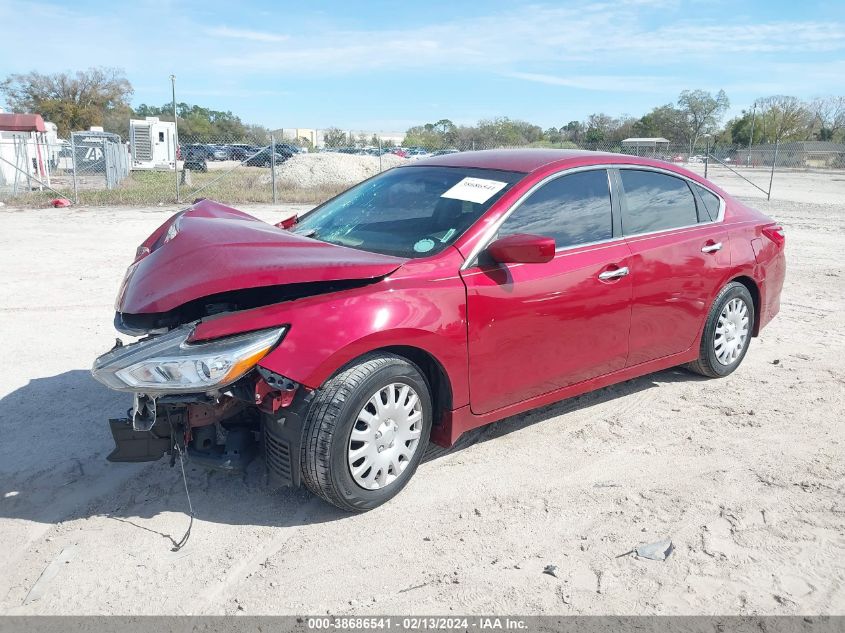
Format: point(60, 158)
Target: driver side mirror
point(522, 249)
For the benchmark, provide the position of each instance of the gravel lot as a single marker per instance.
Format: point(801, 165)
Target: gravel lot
point(746, 475)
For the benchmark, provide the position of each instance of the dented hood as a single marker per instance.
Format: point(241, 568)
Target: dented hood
point(214, 249)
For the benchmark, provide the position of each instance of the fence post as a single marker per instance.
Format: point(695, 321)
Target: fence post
point(379, 154)
point(175, 136)
point(273, 165)
point(73, 156)
point(772, 176)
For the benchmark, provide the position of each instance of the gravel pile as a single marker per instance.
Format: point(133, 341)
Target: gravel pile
point(315, 171)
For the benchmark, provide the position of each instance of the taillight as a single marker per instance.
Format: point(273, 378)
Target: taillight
point(775, 234)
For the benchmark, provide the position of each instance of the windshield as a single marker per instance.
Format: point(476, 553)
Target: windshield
point(409, 211)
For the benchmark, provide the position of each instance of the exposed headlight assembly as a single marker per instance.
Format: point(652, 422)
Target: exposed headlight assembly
point(169, 364)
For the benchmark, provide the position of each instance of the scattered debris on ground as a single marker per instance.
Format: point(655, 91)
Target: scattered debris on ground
point(655, 551)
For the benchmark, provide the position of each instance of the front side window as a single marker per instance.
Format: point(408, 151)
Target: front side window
point(655, 202)
point(573, 209)
point(408, 211)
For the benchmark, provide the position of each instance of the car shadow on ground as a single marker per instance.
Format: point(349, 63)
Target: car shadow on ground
point(53, 464)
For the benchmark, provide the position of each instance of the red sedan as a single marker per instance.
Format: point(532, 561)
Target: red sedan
point(427, 301)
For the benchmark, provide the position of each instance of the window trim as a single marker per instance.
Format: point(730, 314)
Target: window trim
point(615, 214)
point(616, 194)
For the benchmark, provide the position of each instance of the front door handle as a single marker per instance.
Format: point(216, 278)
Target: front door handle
point(614, 274)
point(711, 248)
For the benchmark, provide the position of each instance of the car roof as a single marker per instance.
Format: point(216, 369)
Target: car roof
point(528, 160)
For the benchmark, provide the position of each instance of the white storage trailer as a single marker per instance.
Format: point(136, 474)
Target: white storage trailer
point(152, 143)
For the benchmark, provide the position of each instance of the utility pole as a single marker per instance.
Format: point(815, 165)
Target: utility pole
point(175, 135)
point(751, 139)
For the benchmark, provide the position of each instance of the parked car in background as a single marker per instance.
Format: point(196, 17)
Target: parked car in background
point(346, 150)
point(264, 157)
point(289, 148)
point(416, 153)
point(220, 152)
point(242, 151)
point(195, 149)
point(443, 152)
point(194, 157)
point(429, 300)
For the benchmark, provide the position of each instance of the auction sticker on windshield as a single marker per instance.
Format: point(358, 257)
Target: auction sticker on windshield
point(478, 190)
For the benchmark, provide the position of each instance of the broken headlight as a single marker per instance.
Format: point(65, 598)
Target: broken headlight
point(169, 364)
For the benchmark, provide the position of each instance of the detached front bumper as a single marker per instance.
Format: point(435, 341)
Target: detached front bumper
point(138, 446)
point(221, 435)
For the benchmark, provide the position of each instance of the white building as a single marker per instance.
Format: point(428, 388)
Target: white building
point(317, 137)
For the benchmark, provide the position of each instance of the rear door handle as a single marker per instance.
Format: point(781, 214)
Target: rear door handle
point(711, 248)
point(614, 274)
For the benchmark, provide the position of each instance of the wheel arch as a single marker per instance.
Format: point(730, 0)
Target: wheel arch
point(434, 372)
point(754, 291)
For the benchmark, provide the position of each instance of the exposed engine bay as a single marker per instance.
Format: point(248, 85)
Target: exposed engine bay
point(209, 399)
point(230, 301)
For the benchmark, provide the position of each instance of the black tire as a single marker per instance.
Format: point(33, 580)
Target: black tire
point(328, 426)
point(707, 363)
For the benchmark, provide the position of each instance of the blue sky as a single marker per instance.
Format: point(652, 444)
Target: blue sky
point(384, 66)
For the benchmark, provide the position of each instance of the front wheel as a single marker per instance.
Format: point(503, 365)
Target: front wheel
point(727, 332)
point(366, 431)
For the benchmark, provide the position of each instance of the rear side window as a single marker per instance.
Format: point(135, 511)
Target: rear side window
point(655, 202)
point(711, 203)
point(573, 209)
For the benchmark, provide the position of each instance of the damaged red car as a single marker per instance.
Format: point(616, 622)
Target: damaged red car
point(432, 299)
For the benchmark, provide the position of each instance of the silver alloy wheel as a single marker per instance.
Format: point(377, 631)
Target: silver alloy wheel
point(731, 331)
point(385, 436)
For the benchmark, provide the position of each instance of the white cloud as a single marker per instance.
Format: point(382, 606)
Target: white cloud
point(245, 34)
point(539, 36)
point(612, 83)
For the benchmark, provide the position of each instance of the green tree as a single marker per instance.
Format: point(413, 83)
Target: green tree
point(335, 137)
point(828, 115)
point(573, 131)
point(201, 124)
point(73, 101)
point(783, 118)
point(702, 112)
point(738, 129)
point(432, 136)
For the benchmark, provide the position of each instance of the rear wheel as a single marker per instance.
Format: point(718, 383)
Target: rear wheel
point(727, 332)
point(366, 432)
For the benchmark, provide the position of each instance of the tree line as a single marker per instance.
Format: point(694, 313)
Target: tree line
point(696, 115)
point(76, 101)
point(102, 97)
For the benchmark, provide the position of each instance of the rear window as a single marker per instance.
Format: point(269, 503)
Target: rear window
point(655, 202)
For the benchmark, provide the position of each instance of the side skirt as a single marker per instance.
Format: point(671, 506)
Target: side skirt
point(461, 420)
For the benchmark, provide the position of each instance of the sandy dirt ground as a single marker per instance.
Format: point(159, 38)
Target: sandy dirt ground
point(746, 475)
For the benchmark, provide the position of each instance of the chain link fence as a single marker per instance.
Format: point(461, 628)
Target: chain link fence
point(152, 167)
